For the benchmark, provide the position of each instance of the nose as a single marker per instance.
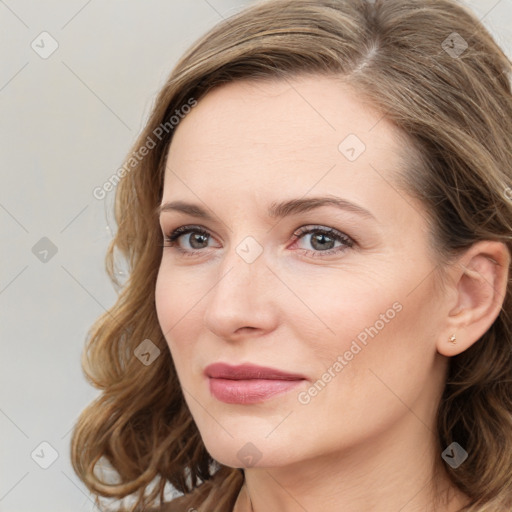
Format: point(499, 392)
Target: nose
point(242, 302)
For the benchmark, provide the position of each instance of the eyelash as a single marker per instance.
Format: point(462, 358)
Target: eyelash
point(336, 235)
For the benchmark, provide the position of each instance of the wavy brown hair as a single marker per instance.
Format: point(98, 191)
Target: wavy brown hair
point(454, 107)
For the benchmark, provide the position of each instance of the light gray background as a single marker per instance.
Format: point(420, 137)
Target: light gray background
point(66, 124)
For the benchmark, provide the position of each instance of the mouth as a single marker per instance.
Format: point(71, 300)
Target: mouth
point(249, 384)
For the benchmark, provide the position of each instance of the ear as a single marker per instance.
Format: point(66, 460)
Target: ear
point(478, 280)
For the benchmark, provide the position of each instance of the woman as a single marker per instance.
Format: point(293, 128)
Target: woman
point(322, 215)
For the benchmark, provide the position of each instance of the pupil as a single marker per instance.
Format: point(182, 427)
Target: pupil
point(196, 239)
point(323, 240)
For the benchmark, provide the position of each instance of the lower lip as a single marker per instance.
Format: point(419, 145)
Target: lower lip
point(251, 391)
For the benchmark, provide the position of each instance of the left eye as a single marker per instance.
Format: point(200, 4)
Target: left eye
point(324, 239)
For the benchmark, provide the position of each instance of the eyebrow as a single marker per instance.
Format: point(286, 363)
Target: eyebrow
point(276, 210)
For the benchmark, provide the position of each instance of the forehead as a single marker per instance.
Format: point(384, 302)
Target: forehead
point(274, 112)
point(286, 135)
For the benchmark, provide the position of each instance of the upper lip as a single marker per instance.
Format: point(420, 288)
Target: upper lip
point(247, 372)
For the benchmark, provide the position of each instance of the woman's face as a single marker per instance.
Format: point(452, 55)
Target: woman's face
point(274, 273)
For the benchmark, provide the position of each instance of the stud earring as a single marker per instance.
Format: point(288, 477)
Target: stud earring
point(453, 339)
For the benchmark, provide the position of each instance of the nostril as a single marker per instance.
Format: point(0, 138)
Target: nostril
point(243, 329)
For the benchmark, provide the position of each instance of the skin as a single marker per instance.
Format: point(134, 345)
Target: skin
point(368, 437)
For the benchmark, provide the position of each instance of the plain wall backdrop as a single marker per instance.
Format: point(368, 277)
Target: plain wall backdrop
point(77, 80)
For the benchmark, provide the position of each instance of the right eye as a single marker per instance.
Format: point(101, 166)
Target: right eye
point(188, 239)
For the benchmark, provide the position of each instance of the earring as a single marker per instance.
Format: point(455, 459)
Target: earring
point(453, 339)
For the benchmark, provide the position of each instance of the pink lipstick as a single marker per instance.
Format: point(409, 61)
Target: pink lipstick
point(248, 383)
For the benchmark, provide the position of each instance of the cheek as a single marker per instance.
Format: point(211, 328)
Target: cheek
point(179, 291)
point(177, 300)
point(362, 326)
point(366, 373)
point(337, 306)
point(165, 303)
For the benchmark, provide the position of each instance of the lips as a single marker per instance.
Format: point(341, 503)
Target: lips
point(247, 383)
point(248, 371)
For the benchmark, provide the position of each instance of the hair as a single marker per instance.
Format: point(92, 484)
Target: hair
point(453, 106)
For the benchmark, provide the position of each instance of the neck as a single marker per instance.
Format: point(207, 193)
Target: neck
point(398, 472)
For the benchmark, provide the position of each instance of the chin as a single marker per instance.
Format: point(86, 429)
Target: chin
point(246, 451)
